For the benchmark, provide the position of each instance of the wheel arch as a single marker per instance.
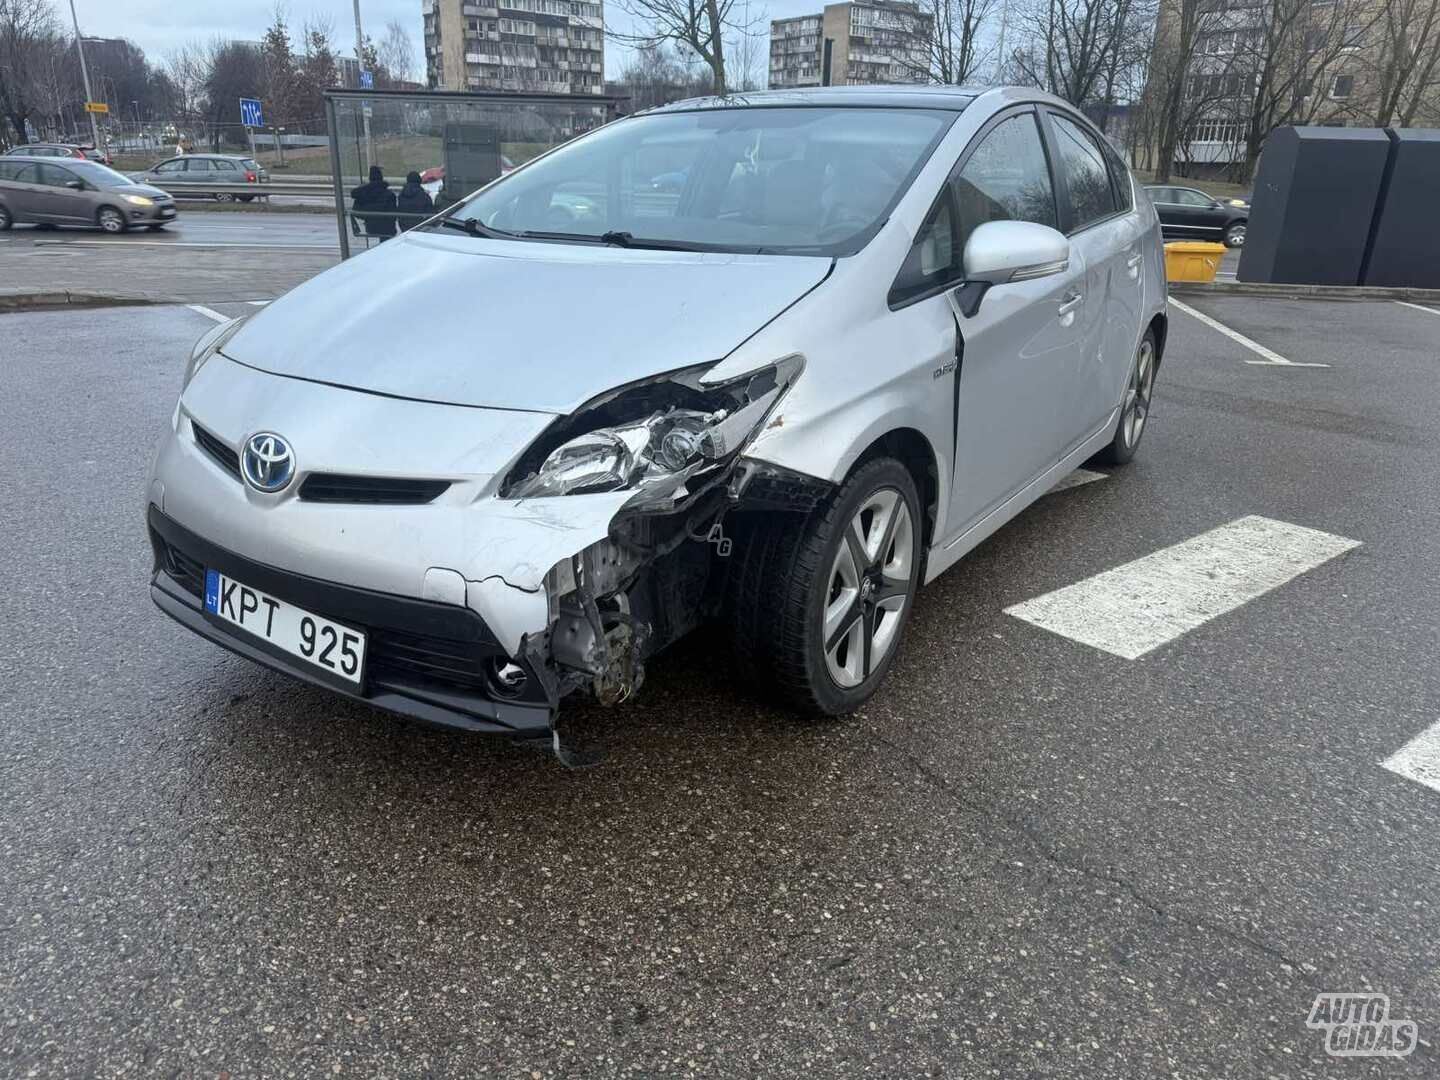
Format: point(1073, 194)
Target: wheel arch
point(913, 450)
point(1160, 327)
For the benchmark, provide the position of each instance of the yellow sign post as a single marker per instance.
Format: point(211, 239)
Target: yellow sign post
point(96, 107)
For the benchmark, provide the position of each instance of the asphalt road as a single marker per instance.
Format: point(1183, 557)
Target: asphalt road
point(1027, 856)
point(239, 228)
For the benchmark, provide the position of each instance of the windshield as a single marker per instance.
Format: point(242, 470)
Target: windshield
point(783, 180)
point(100, 175)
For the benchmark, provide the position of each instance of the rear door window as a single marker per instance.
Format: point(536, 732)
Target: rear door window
point(1091, 196)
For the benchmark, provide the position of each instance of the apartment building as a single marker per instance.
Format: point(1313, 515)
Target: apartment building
point(876, 41)
point(525, 46)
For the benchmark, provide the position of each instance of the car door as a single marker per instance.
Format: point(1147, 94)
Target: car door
point(167, 173)
point(68, 205)
point(26, 194)
point(1164, 200)
point(1009, 357)
point(1202, 218)
point(1109, 239)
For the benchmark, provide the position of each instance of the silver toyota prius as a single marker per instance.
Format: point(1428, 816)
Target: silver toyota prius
point(776, 360)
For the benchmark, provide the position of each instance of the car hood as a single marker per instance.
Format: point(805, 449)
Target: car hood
point(148, 190)
point(514, 324)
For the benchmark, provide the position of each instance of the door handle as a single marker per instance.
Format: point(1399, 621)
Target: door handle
point(1069, 304)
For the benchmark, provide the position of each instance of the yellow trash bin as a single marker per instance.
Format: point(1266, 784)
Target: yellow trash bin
point(1192, 261)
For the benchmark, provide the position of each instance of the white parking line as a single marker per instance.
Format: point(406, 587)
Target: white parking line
point(209, 313)
point(1419, 759)
point(1141, 605)
point(1269, 355)
point(1076, 478)
point(1417, 307)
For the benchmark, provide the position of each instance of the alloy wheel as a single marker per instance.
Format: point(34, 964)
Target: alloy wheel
point(110, 220)
point(1137, 395)
point(868, 588)
point(1235, 237)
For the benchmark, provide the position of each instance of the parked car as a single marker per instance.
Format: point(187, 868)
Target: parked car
point(174, 174)
point(70, 191)
point(48, 150)
point(1189, 214)
point(490, 464)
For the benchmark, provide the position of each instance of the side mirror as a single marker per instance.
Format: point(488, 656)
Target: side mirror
point(999, 252)
point(75, 185)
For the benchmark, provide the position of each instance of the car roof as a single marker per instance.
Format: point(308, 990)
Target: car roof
point(904, 96)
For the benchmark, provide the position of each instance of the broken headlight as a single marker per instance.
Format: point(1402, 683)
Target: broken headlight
point(653, 437)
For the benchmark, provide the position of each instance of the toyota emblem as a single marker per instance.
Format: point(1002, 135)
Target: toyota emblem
point(267, 463)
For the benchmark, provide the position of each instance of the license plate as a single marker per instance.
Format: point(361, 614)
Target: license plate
point(167, 211)
point(335, 649)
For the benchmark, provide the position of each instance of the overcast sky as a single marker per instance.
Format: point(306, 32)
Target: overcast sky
point(160, 25)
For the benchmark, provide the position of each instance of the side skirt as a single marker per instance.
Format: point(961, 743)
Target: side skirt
point(943, 556)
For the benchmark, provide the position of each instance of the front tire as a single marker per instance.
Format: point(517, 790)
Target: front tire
point(111, 220)
point(1134, 406)
point(224, 196)
point(820, 602)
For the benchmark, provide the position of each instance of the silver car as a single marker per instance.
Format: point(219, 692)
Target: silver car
point(195, 171)
point(514, 453)
point(69, 191)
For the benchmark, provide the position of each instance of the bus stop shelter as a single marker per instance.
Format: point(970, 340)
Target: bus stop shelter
point(457, 141)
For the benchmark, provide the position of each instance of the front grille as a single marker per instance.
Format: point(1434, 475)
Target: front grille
point(338, 488)
point(226, 457)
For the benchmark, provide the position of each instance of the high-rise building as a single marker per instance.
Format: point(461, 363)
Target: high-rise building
point(869, 42)
point(526, 46)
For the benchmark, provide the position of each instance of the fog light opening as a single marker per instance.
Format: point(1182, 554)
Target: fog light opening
point(508, 680)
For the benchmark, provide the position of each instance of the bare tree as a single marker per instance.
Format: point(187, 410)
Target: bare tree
point(655, 75)
point(1292, 61)
point(700, 26)
point(27, 29)
point(951, 45)
point(1406, 66)
point(396, 52)
point(188, 69)
point(1074, 48)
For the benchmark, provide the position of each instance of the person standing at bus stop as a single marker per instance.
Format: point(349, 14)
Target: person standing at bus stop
point(374, 204)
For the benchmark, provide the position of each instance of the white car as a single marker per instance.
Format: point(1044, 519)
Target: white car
point(512, 454)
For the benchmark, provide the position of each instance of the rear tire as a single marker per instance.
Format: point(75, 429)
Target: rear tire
point(5, 219)
point(224, 196)
point(818, 603)
point(246, 198)
point(1134, 406)
point(111, 220)
point(1235, 235)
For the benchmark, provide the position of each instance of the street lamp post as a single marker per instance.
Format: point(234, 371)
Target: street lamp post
point(85, 76)
point(360, 68)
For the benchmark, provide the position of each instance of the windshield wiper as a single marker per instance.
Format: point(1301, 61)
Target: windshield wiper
point(471, 227)
point(615, 238)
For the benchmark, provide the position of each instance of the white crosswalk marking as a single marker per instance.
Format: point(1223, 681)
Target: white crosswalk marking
point(1137, 607)
point(1419, 759)
point(1076, 478)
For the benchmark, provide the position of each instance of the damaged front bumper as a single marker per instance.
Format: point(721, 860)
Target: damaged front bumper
point(483, 612)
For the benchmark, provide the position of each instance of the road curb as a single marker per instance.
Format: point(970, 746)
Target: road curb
point(1303, 292)
point(57, 298)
